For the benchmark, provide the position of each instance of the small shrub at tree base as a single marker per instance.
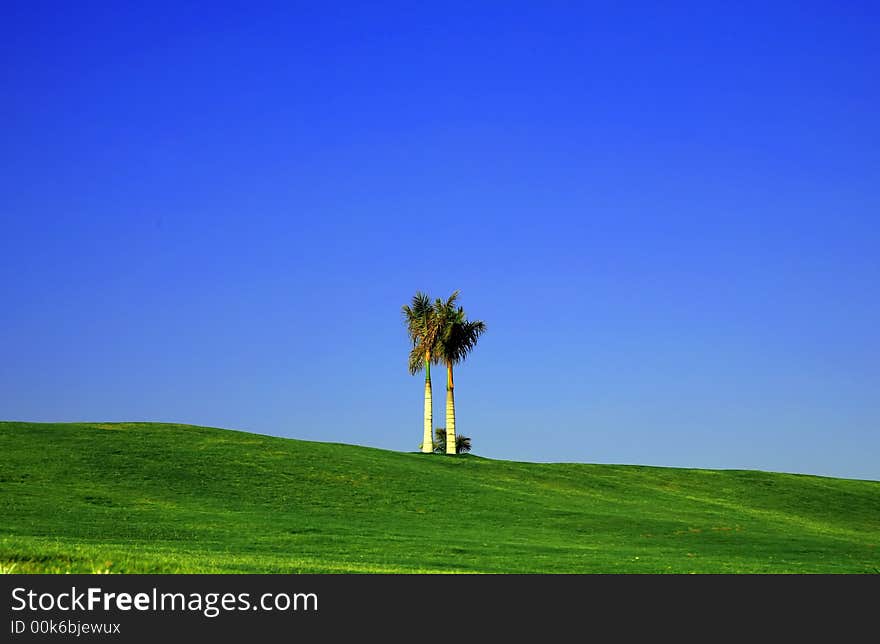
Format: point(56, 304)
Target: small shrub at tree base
point(462, 443)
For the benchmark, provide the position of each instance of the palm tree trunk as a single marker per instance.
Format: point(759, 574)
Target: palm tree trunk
point(428, 438)
point(450, 411)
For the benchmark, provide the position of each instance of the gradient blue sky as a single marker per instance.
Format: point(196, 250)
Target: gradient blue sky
point(668, 214)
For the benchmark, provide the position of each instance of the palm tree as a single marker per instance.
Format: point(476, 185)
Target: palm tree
point(458, 337)
point(422, 325)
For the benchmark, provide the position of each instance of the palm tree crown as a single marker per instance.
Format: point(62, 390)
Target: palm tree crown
point(423, 327)
point(460, 338)
point(459, 335)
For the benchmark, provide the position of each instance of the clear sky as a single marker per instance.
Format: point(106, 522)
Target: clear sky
point(668, 214)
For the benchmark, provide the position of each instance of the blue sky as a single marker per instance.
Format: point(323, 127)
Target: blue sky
point(667, 215)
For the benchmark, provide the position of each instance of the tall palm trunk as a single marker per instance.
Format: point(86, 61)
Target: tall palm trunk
point(450, 410)
point(428, 439)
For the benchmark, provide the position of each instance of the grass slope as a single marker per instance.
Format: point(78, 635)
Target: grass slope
point(143, 497)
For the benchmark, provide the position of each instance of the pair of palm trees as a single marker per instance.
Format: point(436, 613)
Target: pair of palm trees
point(440, 332)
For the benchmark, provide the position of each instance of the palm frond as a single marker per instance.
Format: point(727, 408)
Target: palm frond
point(465, 337)
point(449, 304)
point(417, 314)
point(416, 360)
point(459, 336)
point(423, 327)
point(420, 305)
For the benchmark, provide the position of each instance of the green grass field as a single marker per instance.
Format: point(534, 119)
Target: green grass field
point(145, 497)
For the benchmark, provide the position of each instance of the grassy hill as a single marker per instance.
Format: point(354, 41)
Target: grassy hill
point(143, 497)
